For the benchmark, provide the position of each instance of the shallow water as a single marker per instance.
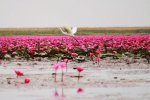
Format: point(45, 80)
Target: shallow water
point(108, 82)
point(126, 93)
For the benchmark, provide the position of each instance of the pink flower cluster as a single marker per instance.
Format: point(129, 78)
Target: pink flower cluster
point(60, 65)
point(32, 46)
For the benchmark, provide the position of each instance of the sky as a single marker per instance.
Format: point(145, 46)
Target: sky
point(81, 13)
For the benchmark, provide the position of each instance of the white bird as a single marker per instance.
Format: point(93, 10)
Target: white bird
point(69, 30)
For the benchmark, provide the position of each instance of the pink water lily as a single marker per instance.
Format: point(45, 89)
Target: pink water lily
point(61, 66)
point(74, 55)
point(56, 67)
point(79, 69)
point(66, 61)
point(91, 54)
point(27, 81)
point(98, 51)
point(19, 73)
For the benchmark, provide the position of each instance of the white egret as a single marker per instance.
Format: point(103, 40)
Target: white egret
point(69, 30)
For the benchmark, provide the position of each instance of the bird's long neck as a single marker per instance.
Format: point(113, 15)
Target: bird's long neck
point(62, 30)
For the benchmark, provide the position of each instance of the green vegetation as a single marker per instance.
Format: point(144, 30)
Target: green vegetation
point(81, 31)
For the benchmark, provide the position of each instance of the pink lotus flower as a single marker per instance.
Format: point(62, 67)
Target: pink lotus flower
point(74, 55)
point(66, 61)
point(98, 51)
point(4, 52)
point(19, 73)
point(80, 69)
point(55, 66)
point(62, 66)
point(27, 80)
point(91, 54)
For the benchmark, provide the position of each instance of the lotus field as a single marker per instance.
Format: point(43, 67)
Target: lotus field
point(66, 46)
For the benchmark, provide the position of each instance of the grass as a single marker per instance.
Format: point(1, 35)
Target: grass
point(81, 31)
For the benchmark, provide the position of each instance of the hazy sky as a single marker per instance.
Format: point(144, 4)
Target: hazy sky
point(52, 13)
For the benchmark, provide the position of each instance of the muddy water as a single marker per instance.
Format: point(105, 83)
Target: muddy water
point(110, 81)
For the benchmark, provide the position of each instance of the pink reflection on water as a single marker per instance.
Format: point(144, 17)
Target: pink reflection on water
point(56, 94)
point(61, 95)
